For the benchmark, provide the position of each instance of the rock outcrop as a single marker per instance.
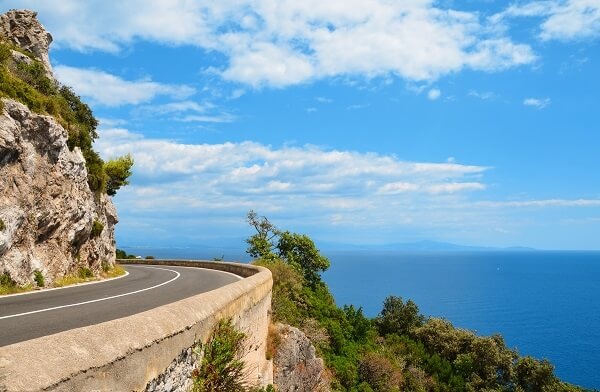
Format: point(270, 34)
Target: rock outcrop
point(47, 210)
point(21, 28)
point(296, 367)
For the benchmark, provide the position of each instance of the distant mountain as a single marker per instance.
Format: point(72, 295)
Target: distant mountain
point(423, 245)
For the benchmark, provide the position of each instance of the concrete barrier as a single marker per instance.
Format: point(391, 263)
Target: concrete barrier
point(127, 353)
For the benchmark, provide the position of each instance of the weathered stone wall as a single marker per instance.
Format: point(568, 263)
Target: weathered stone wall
point(127, 354)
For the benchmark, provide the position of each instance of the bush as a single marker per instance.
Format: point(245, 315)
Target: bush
point(85, 273)
point(121, 254)
point(39, 278)
point(398, 317)
point(97, 228)
point(150, 257)
point(6, 280)
point(117, 171)
point(221, 367)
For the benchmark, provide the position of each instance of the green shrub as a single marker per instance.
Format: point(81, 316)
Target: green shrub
point(121, 254)
point(6, 280)
point(85, 273)
point(39, 278)
point(117, 173)
point(150, 257)
point(2, 225)
point(97, 228)
point(5, 54)
point(221, 367)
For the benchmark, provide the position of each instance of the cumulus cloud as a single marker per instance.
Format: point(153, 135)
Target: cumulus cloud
point(110, 90)
point(184, 186)
point(539, 103)
point(268, 43)
point(562, 19)
point(189, 176)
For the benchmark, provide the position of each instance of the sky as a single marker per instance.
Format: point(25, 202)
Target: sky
point(352, 121)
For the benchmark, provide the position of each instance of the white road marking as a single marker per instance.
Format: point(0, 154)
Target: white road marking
point(64, 287)
point(99, 299)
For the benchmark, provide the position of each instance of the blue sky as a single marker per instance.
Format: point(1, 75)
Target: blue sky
point(354, 121)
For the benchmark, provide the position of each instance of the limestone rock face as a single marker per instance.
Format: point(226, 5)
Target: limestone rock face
point(22, 28)
point(46, 204)
point(296, 367)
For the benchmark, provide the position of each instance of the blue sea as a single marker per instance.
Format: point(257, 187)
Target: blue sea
point(545, 304)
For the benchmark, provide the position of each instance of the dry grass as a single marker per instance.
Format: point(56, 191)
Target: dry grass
point(82, 276)
point(4, 290)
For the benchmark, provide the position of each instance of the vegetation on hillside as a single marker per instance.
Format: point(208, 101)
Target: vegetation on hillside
point(400, 349)
point(221, 367)
point(28, 84)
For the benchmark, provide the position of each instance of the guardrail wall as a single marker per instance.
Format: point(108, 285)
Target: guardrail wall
point(126, 354)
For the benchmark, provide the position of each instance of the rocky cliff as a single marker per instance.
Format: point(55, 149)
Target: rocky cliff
point(50, 219)
point(296, 367)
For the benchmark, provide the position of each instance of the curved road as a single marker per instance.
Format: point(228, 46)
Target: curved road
point(32, 315)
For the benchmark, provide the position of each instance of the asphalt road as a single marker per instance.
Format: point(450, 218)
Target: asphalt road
point(32, 315)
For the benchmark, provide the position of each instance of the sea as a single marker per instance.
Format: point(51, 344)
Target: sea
point(545, 303)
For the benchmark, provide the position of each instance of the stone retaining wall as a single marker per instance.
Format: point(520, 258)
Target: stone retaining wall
point(128, 354)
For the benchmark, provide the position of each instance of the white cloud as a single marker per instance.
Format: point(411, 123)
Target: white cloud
point(110, 90)
point(542, 203)
point(539, 103)
point(484, 95)
point(324, 100)
point(248, 173)
point(289, 42)
point(186, 111)
point(434, 94)
point(562, 19)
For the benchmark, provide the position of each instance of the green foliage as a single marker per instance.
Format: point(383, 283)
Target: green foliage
point(288, 303)
point(221, 367)
point(297, 250)
point(533, 375)
point(5, 54)
point(121, 254)
point(28, 84)
point(85, 273)
point(2, 225)
point(118, 171)
point(39, 278)
point(97, 228)
point(261, 245)
point(149, 257)
point(6, 280)
point(9, 286)
point(398, 317)
point(300, 250)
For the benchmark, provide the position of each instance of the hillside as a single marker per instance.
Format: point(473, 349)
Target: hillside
point(56, 216)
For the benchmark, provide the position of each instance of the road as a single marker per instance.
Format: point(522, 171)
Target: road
point(45, 312)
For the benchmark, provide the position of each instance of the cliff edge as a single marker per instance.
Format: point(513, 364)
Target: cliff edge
point(51, 220)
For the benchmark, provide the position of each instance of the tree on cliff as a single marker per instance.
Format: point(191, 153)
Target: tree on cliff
point(297, 250)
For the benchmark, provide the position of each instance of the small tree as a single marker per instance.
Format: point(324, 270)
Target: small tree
point(261, 245)
point(117, 171)
point(297, 250)
point(398, 317)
